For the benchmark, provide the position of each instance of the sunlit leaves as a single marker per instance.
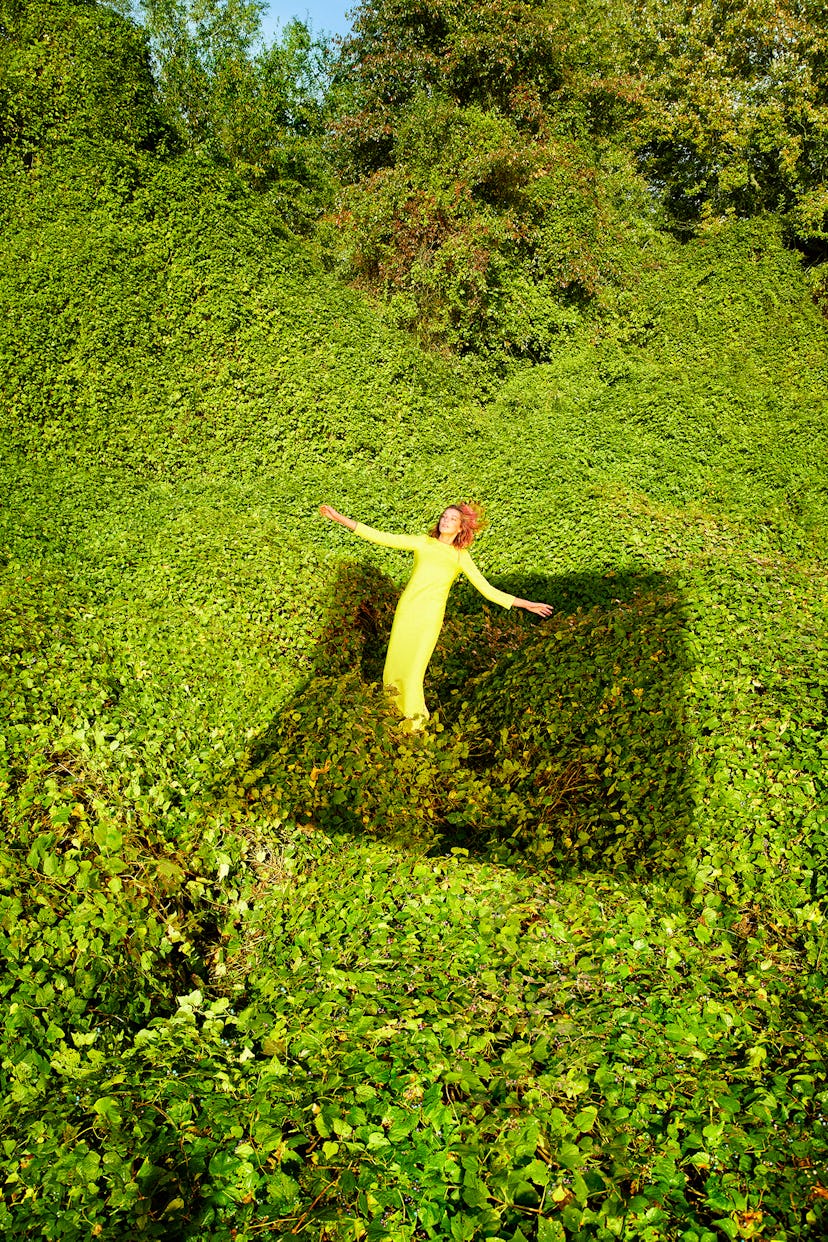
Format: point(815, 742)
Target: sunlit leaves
point(270, 965)
point(734, 117)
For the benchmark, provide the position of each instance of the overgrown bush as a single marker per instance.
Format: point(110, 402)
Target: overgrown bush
point(565, 115)
point(477, 232)
point(72, 73)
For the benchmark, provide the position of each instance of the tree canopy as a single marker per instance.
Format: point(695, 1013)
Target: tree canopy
point(715, 110)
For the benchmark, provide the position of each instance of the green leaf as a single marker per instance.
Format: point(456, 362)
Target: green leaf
point(586, 1118)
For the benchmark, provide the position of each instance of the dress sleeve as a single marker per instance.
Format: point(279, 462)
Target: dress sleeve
point(485, 588)
point(407, 542)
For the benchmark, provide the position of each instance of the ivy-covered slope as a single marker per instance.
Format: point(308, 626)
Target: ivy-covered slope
point(249, 987)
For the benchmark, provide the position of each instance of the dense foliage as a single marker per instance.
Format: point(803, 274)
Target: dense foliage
point(736, 111)
point(497, 151)
point(71, 73)
point(478, 198)
point(554, 969)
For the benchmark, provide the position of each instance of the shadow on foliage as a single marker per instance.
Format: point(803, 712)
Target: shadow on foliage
point(560, 740)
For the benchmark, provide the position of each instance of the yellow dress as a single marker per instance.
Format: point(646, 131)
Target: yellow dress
point(420, 612)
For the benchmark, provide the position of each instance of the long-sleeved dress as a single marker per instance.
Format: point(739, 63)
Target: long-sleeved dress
point(420, 612)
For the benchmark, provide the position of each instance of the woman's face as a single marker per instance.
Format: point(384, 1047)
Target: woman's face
point(450, 522)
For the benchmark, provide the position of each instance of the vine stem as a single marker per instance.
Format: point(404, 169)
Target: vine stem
point(306, 1214)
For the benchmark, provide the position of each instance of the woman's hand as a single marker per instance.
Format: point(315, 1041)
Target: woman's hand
point(540, 610)
point(328, 511)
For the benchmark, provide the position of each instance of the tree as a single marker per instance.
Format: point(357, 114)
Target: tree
point(259, 108)
point(466, 139)
point(734, 117)
point(201, 54)
point(532, 60)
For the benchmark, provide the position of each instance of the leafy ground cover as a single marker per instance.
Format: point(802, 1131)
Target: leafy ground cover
point(249, 987)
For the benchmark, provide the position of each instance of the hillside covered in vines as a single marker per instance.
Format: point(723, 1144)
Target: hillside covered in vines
point(554, 969)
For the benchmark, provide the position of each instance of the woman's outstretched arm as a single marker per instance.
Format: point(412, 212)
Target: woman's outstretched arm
point(499, 597)
point(542, 610)
point(329, 512)
point(383, 537)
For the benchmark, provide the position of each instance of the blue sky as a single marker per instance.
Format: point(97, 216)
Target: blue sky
point(324, 16)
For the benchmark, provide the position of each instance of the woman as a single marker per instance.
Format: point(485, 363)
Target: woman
point(439, 557)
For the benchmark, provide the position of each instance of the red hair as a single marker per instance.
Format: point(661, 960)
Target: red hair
point(471, 522)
